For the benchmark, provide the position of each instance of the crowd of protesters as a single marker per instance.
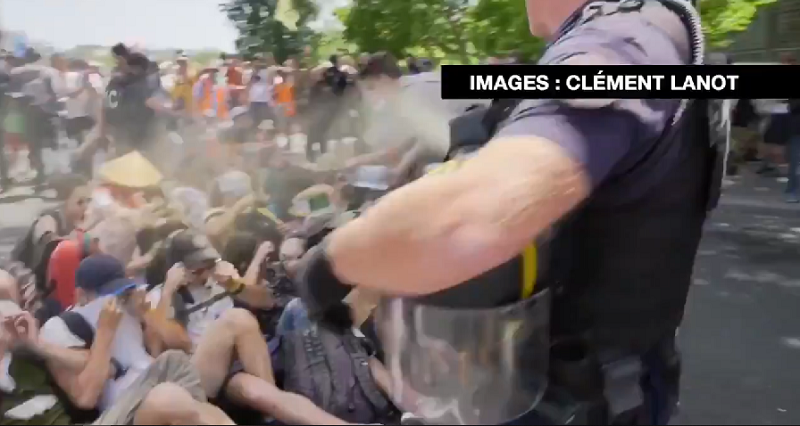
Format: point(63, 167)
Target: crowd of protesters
point(159, 289)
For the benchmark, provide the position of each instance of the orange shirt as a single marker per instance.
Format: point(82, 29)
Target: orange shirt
point(284, 94)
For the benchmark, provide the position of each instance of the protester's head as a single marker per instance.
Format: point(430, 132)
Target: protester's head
point(380, 74)
point(230, 188)
point(291, 251)
point(58, 62)
point(195, 252)
point(183, 63)
point(240, 250)
point(74, 191)
point(102, 275)
point(120, 53)
point(138, 64)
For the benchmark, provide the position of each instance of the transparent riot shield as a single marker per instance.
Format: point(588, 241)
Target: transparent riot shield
point(477, 367)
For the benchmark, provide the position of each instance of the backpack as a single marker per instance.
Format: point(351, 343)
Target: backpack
point(332, 370)
point(36, 256)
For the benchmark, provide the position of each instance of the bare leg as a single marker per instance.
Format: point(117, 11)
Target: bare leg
point(290, 408)
point(236, 332)
point(170, 404)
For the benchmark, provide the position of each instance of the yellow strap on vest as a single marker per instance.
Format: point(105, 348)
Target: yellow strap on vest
point(529, 255)
point(271, 216)
point(529, 271)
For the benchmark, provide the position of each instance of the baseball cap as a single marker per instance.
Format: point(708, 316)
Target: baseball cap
point(193, 249)
point(103, 274)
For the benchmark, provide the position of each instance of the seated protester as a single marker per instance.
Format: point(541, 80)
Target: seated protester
point(231, 196)
point(219, 330)
point(205, 285)
point(346, 350)
point(128, 199)
point(283, 181)
point(235, 208)
point(259, 265)
point(22, 377)
point(55, 223)
point(115, 333)
point(150, 259)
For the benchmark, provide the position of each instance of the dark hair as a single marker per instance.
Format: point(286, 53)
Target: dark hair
point(334, 60)
point(146, 238)
point(120, 50)
point(65, 185)
point(381, 64)
point(138, 60)
point(240, 250)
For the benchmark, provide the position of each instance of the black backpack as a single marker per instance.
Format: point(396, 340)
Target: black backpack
point(332, 370)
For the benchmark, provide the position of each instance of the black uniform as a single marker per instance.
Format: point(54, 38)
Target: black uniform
point(133, 125)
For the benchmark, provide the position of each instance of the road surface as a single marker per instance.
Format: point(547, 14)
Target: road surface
point(741, 336)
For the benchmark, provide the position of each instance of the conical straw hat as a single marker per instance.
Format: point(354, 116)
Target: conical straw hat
point(131, 171)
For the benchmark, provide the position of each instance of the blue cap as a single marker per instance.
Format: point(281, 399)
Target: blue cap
point(103, 274)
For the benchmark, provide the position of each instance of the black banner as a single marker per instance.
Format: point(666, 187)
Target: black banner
point(620, 82)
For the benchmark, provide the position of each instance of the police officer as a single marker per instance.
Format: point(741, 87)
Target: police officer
point(542, 279)
point(134, 107)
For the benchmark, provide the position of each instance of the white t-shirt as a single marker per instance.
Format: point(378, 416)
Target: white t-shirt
point(261, 90)
point(200, 320)
point(128, 348)
point(79, 106)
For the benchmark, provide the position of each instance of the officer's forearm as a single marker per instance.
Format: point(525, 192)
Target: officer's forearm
point(443, 230)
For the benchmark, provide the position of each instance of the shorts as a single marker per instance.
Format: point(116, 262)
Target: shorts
point(778, 130)
point(76, 127)
point(170, 367)
point(261, 111)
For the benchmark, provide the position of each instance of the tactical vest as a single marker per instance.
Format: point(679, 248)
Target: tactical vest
point(31, 381)
point(125, 109)
point(620, 273)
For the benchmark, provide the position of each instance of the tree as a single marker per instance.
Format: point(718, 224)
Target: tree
point(261, 31)
point(399, 26)
point(724, 18)
point(500, 27)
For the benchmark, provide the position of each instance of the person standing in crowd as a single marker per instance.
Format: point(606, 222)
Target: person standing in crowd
point(793, 153)
point(212, 99)
point(260, 90)
point(81, 100)
point(134, 108)
point(5, 79)
point(778, 131)
point(38, 89)
point(540, 186)
point(235, 79)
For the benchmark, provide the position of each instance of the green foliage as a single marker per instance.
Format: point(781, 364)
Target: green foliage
point(260, 32)
point(724, 18)
point(501, 28)
point(453, 31)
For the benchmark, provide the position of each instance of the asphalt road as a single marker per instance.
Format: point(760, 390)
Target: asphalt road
point(741, 335)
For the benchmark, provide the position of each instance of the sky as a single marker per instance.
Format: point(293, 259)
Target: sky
point(186, 24)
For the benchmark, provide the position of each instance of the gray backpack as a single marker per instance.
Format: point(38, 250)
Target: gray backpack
point(332, 370)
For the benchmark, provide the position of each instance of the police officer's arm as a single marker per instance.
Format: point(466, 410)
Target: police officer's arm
point(442, 230)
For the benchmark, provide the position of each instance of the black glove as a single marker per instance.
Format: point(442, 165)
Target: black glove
point(317, 286)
